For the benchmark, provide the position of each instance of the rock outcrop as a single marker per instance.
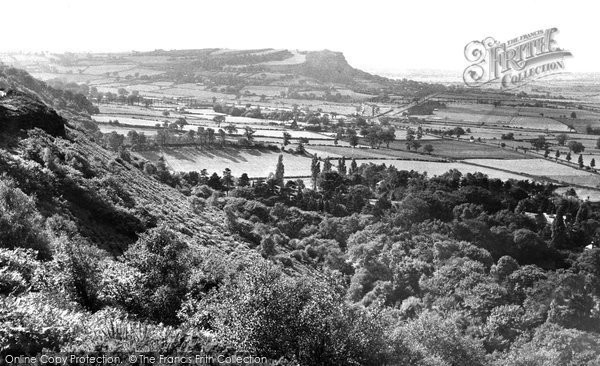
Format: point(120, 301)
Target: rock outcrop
point(21, 112)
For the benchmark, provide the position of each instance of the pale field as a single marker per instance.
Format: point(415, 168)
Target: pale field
point(327, 107)
point(455, 149)
point(126, 120)
point(142, 87)
point(132, 110)
point(583, 193)
point(141, 71)
point(295, 134)
point(203, 111)
point(489, 133)
point(515, 117)
point(365, 153)
point(592, 180)
point(148, 59)
point(198, 93)
point(103, 69)
point(538, 123)
point(433, 168)
point(163, 83)
point(262, 163)
point(266, 90)
point(247, 120)
point(538, 167)
point(296, 59)
point(104, 128)
point(400, 134)
point(67, 78)
point(251, 161)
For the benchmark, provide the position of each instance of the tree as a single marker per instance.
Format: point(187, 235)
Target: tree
point(219, 119)
point(279, 171)
point(352, 137)
point(327, 165)
point(249, 133)
point(353, 167)
point(559, 230)
point(573, 115)
point(210, 136)
point(115, 140)
point(353, 140)
point(243, 181)
point(576, 146)
point(286, 138)
point(539, 143)
point(315, 169)
point(342, 165)
point(231, 129)
point(415, 144)
point(181, 122)
point(227, 179)
point(428, 148)
point(580, 161)
point(561, 138)
point(568, 157)
point(214, 181)
point(593, 163)
point(557, 154)
point(222, 136)
point(20, 222)
point(162, 259)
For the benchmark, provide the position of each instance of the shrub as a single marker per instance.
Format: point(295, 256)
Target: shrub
point(20, 222)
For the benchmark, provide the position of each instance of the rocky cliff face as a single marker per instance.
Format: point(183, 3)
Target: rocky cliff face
point(21, 112)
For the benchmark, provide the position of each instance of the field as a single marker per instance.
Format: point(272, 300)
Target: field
point(105, 128)
point(261, 163)
point(254, 162)
point(583, 193)
point(349, 153)
point(433, 168)
point(485, 114)
point(454, 149)
point(544, 168)
point(127, 120)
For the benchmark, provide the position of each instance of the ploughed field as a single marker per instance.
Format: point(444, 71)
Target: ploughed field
point(502, 116)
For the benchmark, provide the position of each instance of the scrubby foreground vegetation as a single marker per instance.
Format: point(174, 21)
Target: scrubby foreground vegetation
point(374, 266)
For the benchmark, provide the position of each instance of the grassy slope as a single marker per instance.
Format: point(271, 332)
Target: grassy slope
point(109, 199)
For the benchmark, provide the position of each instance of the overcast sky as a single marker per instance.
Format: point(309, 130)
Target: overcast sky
point(377, 36)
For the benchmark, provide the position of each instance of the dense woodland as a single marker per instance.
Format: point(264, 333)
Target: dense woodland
point(367, 265)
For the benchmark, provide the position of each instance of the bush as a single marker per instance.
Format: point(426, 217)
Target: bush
point(17, 270)
point(20, 222)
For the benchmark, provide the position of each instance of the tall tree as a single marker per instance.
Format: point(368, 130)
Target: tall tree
point(342, 165)
point(559, 230)
point(353, 167)
point(326, 165)
point(227, 179)
point(279, 171)
point(222, 136)
point(315, 169)
point(286, 138)
point(243, 181)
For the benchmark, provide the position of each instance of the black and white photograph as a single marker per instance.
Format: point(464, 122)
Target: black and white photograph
point(299, 183)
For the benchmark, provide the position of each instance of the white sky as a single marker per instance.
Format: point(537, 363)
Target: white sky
point(375, 35)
